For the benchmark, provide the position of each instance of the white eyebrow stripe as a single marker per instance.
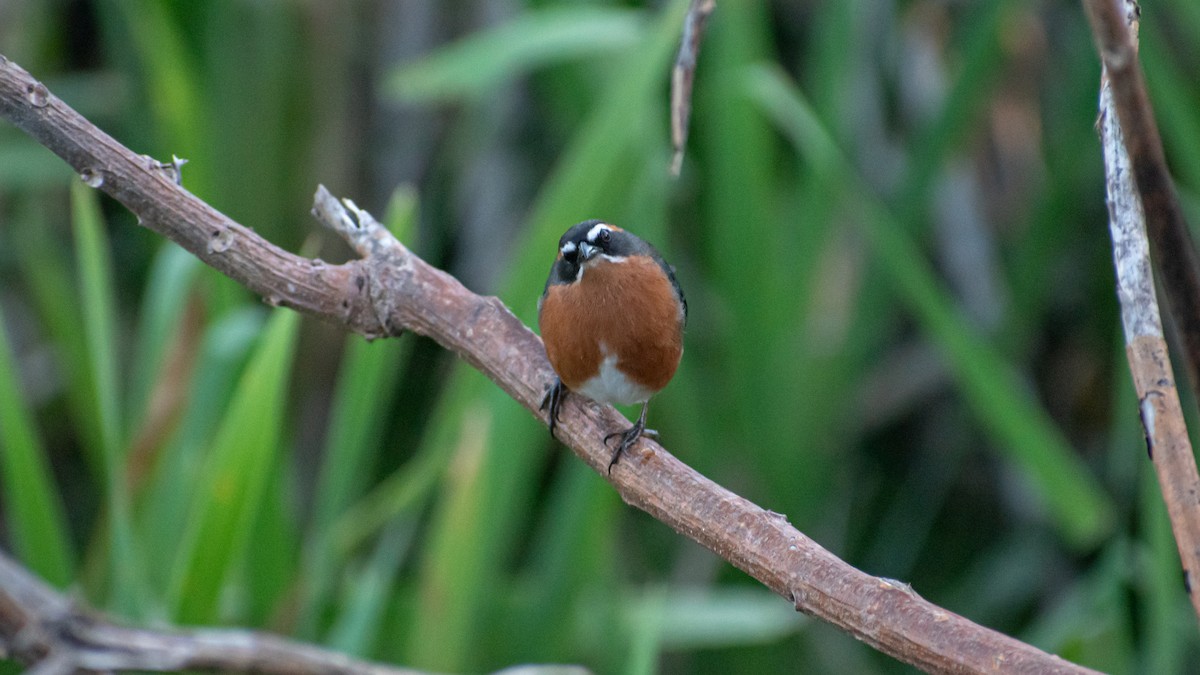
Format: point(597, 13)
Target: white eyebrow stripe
point(568, 248)
point(595, 231)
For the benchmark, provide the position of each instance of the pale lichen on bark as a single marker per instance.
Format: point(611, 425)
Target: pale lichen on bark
point(1127, 225)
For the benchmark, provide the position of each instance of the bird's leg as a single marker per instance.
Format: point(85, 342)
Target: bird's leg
point(553, 399)
point(628, 437)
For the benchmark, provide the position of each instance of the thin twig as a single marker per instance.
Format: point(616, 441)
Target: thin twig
point(1149, 361)
point(683, 75)
point(396, 290)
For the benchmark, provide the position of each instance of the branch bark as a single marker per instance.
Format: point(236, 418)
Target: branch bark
point(1172, 246)
point(1137, 154)
point(683, 76)
point(391, 289)
point(39, 625)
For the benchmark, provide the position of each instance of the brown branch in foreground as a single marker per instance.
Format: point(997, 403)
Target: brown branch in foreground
point(683, 75)
point(1149, 361)
point(39, 625)
point(392, 289)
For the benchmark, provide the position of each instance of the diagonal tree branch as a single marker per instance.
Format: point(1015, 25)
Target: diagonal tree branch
point(1133, 152)
point(391, 290)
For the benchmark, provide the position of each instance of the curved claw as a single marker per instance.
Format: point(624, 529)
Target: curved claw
point(629, 437)
point(554, 398)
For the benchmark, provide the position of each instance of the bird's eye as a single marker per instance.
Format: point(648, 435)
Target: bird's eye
point(570, 252)
point(603, 236)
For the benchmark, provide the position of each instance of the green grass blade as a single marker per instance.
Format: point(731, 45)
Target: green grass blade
point(701, 618)
point(223, 353)
point(184, 116)
point(1073, 497)
point(755, 267)
point(570, 554)
point(361, 618)
point(644, 622)
point(1166, 614)
point(176, 102)
point(234, 481)
point(250, 53)
point(453, 571)
point(99, 305)
point(171, 280)
point(403, 492)
point(266, 574)
point(48, 270)
point(1089, 622)
point(478, 65)
point(35, 516)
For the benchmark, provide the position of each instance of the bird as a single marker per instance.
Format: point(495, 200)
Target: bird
point(612, 317)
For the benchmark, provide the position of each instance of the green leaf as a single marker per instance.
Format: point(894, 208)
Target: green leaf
point(33, 511)
point(48, 270)
point(452, 569)
point(225, 349)
point(233, 483)
point(361, 609)
point(1164, 614)
point(713, 618)
point(166, 298)
point(98, 302)
point(569, 556)
point(172, 76)
point(99, 306)
point(481, 63)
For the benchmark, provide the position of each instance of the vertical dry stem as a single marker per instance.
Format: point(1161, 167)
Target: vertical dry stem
point(1162, 416)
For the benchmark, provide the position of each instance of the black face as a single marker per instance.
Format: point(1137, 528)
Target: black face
point(589, 240)
point(593, 239)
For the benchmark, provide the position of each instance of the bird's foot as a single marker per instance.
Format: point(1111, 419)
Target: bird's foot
point(628, 438)
point(553, 400)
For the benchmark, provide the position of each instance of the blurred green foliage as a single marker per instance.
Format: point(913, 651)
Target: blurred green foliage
point(890, 226)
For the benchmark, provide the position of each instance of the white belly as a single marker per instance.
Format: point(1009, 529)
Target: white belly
point(611, 385)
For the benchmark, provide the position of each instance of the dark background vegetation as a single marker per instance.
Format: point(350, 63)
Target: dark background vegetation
point(890, 226)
